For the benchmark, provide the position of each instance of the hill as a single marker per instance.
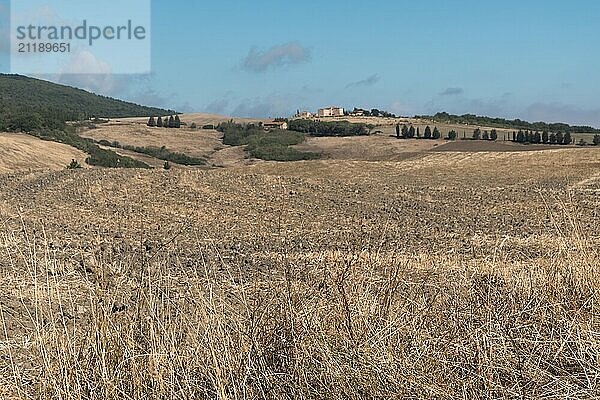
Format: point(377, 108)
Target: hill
point(19, 152)
point(27, 104)
point(470, 119)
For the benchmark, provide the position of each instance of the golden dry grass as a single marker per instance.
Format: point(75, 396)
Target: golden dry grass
point(204, 143)
point(369, 148)
point(451, 275)
point(200, 119)
point(20, 152)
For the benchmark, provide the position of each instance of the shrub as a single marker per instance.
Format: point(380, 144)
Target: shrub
point(320, 128)
point(74, 164)
point(163, 154)
point(272, 145)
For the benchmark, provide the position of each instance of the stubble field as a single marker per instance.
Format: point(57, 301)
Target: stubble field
point(443, 275)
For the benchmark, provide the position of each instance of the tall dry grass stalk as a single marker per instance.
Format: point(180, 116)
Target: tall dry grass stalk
point(328, 324)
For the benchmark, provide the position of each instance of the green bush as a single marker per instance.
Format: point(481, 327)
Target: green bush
point(163, 154)
point(320, 128)
point(74, 164)
point(271, 146)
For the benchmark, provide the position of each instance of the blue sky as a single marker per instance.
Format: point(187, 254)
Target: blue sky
point(535, 60)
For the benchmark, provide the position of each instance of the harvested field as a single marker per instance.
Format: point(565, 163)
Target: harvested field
point(451, 275)
point(20, 152)
point(199, 118)
point(475, 146)
point(378, 147)
point(196, 143)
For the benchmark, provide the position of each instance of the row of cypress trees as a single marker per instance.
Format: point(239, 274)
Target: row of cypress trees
point(170, 122)
point(409, 133)
point(544, 137)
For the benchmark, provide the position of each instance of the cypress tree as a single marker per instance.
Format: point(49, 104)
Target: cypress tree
point(398, 131)
point(545, 137)
point(427, 132)
point(171, 122)
point(567, 138)
point(436, 133)
point(405, 131)
point(177, 122)
point(151, 122)
point(411, 132)
point(159, 122)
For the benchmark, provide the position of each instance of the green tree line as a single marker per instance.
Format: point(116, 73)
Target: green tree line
point(334, 128)
point(470, 119)
point(168, 122)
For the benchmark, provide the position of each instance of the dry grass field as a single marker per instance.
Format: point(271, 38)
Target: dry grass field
point(20, 152)
point(445, 275)
point(199, 119)
point(206, 143)
point(379, 147)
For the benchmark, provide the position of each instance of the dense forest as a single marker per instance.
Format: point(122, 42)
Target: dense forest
point(28, 104)
point(471, 119)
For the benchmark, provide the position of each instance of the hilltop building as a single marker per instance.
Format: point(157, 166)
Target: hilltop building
point(331, 112)
point(275, 125)
point(304, 114)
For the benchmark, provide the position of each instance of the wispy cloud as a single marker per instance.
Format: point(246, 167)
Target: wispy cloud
point(452, 91)
point(275, 57)
point(370, 81)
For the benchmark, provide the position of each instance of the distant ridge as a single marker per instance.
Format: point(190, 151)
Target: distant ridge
point(27, 104)
point(516, 124)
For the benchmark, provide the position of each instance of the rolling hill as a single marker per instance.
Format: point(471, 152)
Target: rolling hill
point(27, 104)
